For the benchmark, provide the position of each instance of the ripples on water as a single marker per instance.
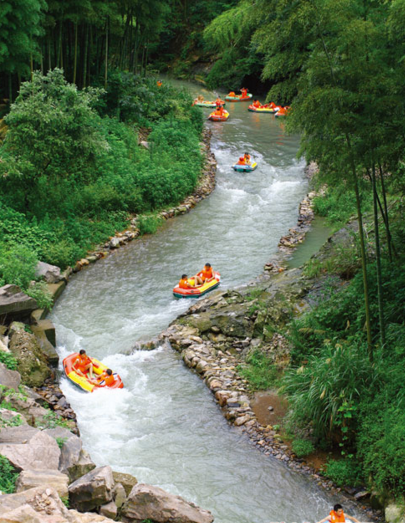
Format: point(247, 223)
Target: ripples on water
point(164, 426)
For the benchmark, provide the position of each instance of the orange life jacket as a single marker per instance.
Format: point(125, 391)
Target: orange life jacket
point(244, 93)
point(183, 284)
point(231, 93)
point(206, 275)
point(109, 380)
point(241, 162)
point(256, 104)
point(83, 361)
point(335, 518)
point(247, 158)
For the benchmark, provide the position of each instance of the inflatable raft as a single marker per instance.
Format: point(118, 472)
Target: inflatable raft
point(263, 109)
point(238, 98)
point(84, 382)
point(208, 104)
point(245, 168)
point(216, 118)
point(196, 292)
point(282, 112)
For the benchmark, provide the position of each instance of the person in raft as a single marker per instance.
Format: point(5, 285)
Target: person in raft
point(338, 516)
point(204, 276)
point(108, 377)
point(257, 104)
point(241, 161)
point(247, 158)
point(184, 283)
point(83, 365)
point(219, 111)
point(218, 102)
point(244, 92)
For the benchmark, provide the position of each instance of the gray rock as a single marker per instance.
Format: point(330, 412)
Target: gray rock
point(38, 478)
point(15, 304)
point(127, 481)
point(394, 512)
point(50, 273)
point(10, 417)
point(114, 243)
point(74, 460)
point(148, 502)
point(92, 490)
point(120, 495)
point(28, 448)
point(56, 289)
point(109, 510)
point(29, 408)
point(32, 363)
point(43, 500)
point(9, 378)
point(44, 331)
point(23, 514)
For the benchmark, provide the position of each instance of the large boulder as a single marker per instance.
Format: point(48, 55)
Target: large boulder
point(148, 502)
point(15, 304)
point(74, 460)
point(28, 448)
point(44, 331)
point(44, 501)
point(9, 378)
point(32, 363)
point(127, 481)
point(41, 505)
point(38, 478)
point(92, 490)
point(50, 273)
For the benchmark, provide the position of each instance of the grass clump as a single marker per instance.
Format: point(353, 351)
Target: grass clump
point(8, 476)
point(259, 370)
point(302, 447)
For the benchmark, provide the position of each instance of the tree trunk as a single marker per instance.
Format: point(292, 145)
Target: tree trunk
point(75, 56)
point(378, 257)
point(86, 44)
point(106, 55)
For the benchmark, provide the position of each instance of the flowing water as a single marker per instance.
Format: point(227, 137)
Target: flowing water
point(164, 426)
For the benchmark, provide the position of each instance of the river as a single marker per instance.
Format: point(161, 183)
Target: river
point(164, 426)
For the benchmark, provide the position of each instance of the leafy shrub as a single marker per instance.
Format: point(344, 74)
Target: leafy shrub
point(8, 476)
point(8, 359)
point(51, 421)
point(41, 294)
point(344, 472)
point(17, 265)
point(259, 370)
point(302, 447)
point(336, 376)
point(148, 224)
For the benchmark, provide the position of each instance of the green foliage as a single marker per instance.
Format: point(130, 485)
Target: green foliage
point(302, 447)
point(8, 360)
point(66, 502)
point(344, 472)
point(51, 421)
point(17, 265)
point(41, 294)
point(148, 224)
point(61, 442)
point(259, 370)
point(15, 421)
point(317, 391)
point(8, 476)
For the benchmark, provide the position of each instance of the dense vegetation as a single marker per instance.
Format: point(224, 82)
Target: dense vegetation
point(72, 170)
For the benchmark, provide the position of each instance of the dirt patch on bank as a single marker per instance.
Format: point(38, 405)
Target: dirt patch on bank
point(269, 407)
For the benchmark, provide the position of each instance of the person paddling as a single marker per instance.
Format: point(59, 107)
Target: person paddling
point(83, 365)
point(338, 516)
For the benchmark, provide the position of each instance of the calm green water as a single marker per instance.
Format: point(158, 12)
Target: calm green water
point(315, 238)
point(164, 426)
